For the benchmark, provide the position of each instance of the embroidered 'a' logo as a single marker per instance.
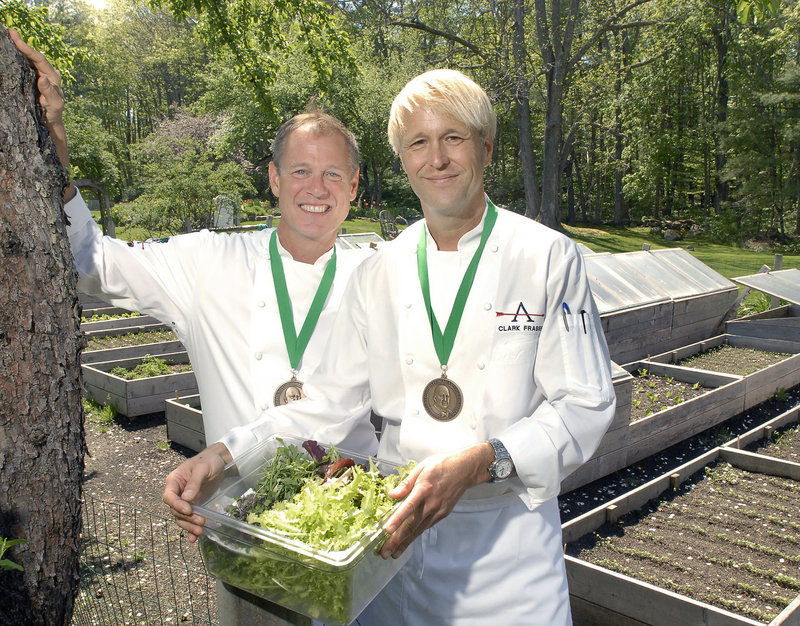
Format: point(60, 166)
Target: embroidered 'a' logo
point(521, 310)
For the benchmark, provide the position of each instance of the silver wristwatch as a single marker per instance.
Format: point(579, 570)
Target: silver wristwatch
point(502, 466)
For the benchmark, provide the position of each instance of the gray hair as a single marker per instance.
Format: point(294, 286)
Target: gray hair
point(318, 123)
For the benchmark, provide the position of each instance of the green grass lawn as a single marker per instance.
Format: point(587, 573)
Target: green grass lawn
point(729, 261)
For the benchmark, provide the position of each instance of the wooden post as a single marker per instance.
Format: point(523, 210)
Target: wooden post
point(774, 301)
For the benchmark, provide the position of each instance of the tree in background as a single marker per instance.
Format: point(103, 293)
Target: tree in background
point(258, 32)
point(181, 176)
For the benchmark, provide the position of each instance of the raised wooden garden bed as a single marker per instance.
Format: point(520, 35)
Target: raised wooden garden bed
point(120, 322)
point(779, 437)
point(635, 332)
point(125, 330)
point(759, 385)
point(627, 442)
point(727, 395)
point(716, 548)
point(140, 396)
point(184, 417)
point(779, 323)
point(131, 352)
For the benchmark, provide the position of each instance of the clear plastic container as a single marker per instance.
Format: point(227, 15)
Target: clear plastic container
point(333, 587)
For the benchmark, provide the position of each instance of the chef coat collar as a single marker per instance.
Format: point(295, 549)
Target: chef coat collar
point(470, 239)
point(285, 254)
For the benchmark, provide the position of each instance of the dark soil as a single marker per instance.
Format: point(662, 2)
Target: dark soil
point(727, 537)
point(734, 360)
point(137, 564)
point(128, 460)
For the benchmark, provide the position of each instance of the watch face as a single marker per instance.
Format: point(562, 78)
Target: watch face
point(502, 468)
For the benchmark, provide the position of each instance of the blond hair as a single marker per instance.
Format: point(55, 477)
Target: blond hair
point(447, 92)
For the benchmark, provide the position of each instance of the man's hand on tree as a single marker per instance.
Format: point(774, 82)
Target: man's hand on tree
point(51, 99)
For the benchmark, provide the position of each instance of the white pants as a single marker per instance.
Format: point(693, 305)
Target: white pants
point(489, 562)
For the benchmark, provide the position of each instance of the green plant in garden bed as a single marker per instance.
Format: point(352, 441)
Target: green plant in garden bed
point(102, 317)
point(652, 393)
point(129, 339)
point(150, 366)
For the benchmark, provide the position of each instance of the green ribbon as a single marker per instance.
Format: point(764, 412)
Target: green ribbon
point(296, 344)
point(443, 342)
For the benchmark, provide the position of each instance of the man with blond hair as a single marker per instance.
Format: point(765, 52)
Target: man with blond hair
point(488, 305)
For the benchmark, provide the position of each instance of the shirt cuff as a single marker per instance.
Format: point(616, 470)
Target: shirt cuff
point(78, 214)
point(239, 440)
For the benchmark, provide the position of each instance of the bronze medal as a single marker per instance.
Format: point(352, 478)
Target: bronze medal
point(288, 392)
point(442, 399)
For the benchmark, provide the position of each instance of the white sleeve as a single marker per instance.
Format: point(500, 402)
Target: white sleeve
point(151, 278)
point(572, 373)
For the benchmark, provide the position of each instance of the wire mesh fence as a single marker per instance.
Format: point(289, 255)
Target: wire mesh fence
point(137, 568)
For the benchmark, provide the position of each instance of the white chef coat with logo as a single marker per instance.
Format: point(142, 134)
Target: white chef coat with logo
point(216, 292)
point(532, 364)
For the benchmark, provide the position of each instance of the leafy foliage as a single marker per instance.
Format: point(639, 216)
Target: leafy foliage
point(255, 33)
point(31, 22)
point(5, 544)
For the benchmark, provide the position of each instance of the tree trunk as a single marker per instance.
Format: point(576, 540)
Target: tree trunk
point(523, 108)
point(41, 418)
point(721, 38)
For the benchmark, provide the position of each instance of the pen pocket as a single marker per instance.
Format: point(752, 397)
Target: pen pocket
point(582, 353)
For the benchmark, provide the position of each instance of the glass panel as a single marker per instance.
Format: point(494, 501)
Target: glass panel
point(784, 284)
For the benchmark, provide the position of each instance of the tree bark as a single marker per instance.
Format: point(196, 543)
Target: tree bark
point(523, 107)
point(721, 38)
point(41, 418)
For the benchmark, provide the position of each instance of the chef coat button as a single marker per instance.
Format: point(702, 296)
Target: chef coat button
point(473, 424)
point(264, 407)
point(408, 305)
point(495, 248)
point(261, 304)
point(409, 360)
point(258, 356)
point(481, 365)
point(414, 411)
point(487, 306)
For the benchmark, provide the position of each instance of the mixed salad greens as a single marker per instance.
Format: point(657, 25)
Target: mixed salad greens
point(324, 500)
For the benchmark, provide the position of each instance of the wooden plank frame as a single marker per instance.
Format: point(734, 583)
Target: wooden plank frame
point(184, 416)
point(136, 397)
point(131, 352)
point(121, 322)
point(626, 443)
point(113, 332)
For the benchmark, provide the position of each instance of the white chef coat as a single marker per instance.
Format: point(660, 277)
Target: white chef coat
point(216, 292)
point(534, 373)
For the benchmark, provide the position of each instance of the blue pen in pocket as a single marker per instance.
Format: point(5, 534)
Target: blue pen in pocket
point(564, 312)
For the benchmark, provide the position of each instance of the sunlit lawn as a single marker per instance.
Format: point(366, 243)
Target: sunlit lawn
point(729, 261)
